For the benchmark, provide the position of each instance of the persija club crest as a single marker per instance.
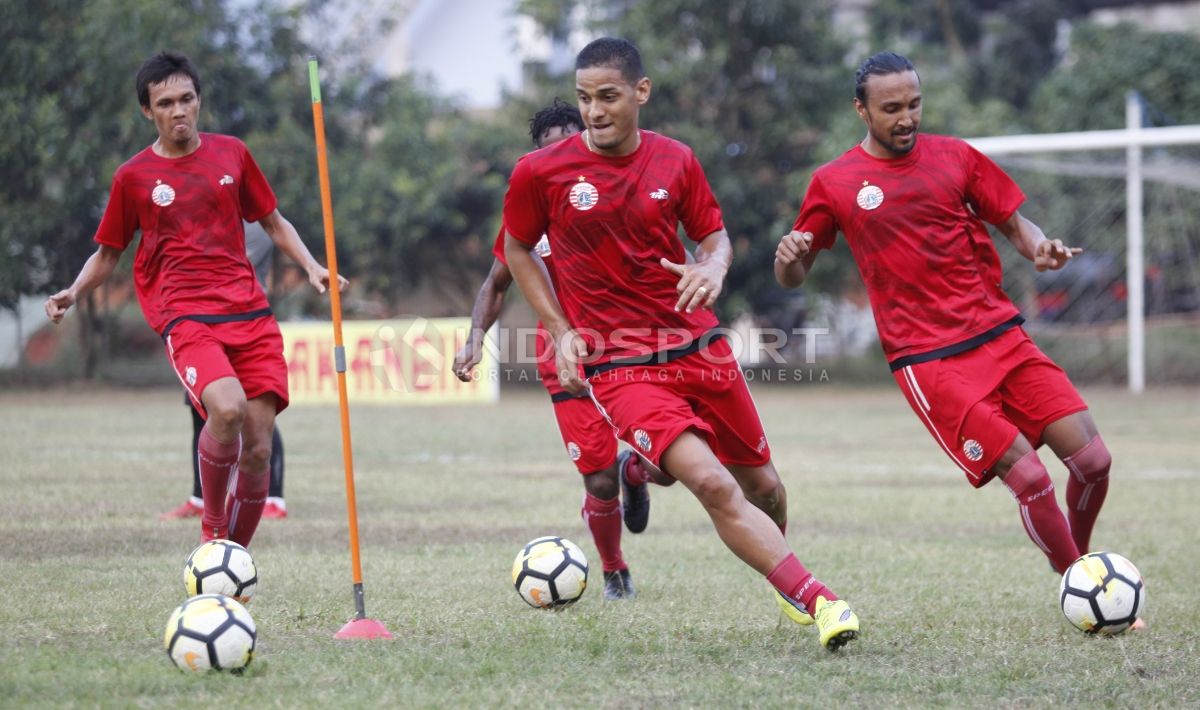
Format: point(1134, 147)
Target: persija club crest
point(973, 449)
point(162, 194)
point(643, 440)
point(584, 196)
point(870, 197)
point(574, 451)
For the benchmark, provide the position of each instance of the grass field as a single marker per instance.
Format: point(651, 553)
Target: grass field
point(958, 607)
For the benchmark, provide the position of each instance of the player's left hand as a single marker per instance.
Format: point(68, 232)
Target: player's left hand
point(1052, 254)
point(318, 276)
point(699, 283)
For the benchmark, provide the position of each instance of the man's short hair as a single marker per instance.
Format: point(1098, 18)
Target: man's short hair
point(878, 65)
point(614, 53)
point(559, 114)
point(161, 67)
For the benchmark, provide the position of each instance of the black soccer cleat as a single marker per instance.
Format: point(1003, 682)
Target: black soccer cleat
point(627, 583)
point(635, 500)
point(615, 586)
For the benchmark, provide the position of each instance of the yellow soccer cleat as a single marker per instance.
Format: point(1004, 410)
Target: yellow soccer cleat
point(792, 610)
point(837, 623)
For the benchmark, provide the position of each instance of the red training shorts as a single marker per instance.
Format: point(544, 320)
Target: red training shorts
point(977, 402)
point(651, 405)
point(251, 351)
point(590, 440)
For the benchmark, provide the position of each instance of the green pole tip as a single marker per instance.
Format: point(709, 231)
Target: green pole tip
point(314, 83)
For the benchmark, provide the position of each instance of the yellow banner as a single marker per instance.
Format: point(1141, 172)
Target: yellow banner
point(407, 362)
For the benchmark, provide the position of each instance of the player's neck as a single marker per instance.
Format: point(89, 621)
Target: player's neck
point(617, 152)
point(875, 149)
point(167, 149)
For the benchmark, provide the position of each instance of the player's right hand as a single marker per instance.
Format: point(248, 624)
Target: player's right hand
point(570, 350)
point(57, 305)
point(466, 359)
point(793, 247)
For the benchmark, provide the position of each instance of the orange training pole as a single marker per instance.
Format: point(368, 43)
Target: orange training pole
point(360, 626)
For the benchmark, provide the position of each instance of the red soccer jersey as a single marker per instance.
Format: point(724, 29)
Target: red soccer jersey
point(192, 256)
point(609, 221)
point(915, 225)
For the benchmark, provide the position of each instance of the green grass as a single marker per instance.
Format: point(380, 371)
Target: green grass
point(958, 607)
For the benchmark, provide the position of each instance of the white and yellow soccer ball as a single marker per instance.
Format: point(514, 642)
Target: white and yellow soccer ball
point(550, 572)
point(1102, 593)
point(221, 567)
point(210, 632)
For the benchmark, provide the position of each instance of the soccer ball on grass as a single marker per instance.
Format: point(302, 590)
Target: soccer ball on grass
point(221, 567)
point(1102, 593)
point(550, 572)
point(210, 632)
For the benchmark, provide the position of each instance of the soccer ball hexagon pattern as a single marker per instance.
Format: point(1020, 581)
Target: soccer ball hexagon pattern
point(210, 632)
point(1102, 593)
point(221, 567)
point(550, 572)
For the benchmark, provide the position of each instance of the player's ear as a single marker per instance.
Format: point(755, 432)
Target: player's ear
point(147, 112)
point(641, 90)
point(861, 108)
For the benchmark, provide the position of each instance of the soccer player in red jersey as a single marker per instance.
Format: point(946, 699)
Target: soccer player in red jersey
point(188, 193)
point(631, 324)
point(913, 212)
point(587, 437)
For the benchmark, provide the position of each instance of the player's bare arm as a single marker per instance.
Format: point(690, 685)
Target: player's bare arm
point(484, 313)
point(1029, 240)
point(95, 271)
point(287, 240)
point(700, 283)
point(794, 258)
point(531, 277)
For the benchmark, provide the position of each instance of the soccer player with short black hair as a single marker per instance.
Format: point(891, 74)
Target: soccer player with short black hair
point(588, 438)
point(631, 322)
point(188, 193)
point(913, 212)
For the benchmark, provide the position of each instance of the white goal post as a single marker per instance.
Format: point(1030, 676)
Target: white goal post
point(1133, 138)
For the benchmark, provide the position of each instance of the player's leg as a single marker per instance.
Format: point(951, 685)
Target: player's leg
point(763, 488)
point(1029, 482)
point(589, 442)
point(1076, 440)
point(1040, 398)
point(245, 504)
point(755, 538)
point(276, 506)
point(219, 449)
point(959, 402)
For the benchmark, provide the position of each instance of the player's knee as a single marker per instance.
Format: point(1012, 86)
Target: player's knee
point(255, 458)
point(228, 417)
point(602, 484)
point(1091, 463)
point(716, 489)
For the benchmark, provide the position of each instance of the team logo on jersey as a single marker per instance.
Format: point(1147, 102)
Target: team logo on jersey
point(660, 194)
point(973, 449)
point(574, 451)
point(225, 180)
point(762, 444)
point(870, 197)
point(642, 439)
point(584, 195)
point(162, 194)
point(542, 248)
point(190, 375)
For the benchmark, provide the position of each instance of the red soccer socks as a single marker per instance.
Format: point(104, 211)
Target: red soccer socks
point(245, 506)
point(797, 583)
point(1043, 520)
point(218, 461)
point(603, 518)
point(1086, 489)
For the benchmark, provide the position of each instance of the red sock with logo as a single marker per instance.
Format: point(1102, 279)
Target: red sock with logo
point(218, 461)
point(798, 584)
point(1043, 520)
point(1086, 489)
point(244, 508)
point(603, 518)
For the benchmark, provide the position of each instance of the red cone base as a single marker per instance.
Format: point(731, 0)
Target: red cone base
point(363, 629)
